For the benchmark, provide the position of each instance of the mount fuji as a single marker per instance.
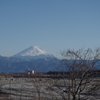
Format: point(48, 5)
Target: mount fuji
point(33, 52)
point(33, 58)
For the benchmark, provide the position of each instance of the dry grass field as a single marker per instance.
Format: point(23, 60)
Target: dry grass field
point(20, 87)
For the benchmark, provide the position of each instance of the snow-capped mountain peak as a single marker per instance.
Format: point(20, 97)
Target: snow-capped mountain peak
point(33, 51)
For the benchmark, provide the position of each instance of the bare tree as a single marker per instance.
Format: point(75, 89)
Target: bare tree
point(80, 65)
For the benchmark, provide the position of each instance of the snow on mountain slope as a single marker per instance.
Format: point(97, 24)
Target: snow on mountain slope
point(33, 51)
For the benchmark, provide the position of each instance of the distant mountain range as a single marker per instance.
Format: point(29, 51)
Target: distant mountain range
point(33, 58)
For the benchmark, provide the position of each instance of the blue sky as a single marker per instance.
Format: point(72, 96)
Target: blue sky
point(53, 25)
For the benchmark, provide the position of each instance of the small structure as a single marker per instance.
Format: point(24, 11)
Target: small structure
point(30, 71)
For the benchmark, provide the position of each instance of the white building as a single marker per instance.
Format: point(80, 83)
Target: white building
point(30, 71)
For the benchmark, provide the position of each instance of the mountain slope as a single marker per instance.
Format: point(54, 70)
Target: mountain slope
point(33, 58)
point(33, 52)
point(17, 65)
